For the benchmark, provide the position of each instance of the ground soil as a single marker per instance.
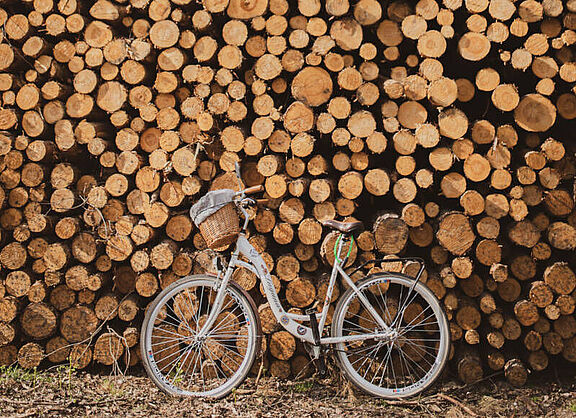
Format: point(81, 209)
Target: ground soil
point(61, 392)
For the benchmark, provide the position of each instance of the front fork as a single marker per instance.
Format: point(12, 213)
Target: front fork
point(221, 285)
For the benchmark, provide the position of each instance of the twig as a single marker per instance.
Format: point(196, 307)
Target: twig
point(457, 403)
point(490, 376)
point(63, 405)
point(260, 369)
point(30, 413)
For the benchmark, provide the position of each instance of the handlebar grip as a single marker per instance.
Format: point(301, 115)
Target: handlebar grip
point(254, 189)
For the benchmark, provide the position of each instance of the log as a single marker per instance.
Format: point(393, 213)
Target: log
point(267, 90)
point(469, 367)
point(108, 348)
point(560, 278)
point(390, 234)
point(515, 372)
point(81, 356)
point(282, 345)
point(455, 234)
point(38, 320)
point(30, 355)
point(78, 323)
point(535, 113)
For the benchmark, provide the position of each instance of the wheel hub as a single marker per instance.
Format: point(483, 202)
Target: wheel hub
point(386, 336)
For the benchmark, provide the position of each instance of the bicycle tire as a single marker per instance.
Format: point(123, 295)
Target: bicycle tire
point(152, 359)
point(392, 351)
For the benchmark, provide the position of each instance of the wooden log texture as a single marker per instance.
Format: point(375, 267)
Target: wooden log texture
point(347, 111)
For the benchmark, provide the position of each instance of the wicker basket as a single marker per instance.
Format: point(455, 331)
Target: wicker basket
point(221, 228)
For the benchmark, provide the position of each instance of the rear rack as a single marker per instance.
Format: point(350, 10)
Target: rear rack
point(390, 260)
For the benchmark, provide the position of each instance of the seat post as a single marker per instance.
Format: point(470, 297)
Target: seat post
point(342, 238)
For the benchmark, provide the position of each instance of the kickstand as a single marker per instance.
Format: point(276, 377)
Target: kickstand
point(317, 351)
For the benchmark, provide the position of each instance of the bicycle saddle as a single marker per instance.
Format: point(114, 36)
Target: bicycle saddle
point(345, 227)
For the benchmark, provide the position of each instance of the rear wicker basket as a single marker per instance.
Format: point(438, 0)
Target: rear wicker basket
point(221, 228)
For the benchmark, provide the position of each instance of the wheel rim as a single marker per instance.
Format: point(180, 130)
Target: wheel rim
point(185, 365)
point(413, 357)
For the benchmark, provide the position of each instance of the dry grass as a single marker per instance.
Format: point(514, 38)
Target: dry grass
point(64, 392)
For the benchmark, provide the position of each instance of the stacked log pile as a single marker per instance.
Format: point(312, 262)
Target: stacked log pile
point(443, 125)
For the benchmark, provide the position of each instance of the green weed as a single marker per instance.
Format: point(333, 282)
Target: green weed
point(112, 389)
point(19, 374)
point(572, 407)
point(303, 387)
point(71, 369)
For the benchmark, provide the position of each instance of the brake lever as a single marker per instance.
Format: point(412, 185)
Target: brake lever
point(248, 202)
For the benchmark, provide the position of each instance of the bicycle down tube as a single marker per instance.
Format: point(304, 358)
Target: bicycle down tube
point(286, 319)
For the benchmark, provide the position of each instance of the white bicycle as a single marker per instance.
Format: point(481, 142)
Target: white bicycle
point(201, 334)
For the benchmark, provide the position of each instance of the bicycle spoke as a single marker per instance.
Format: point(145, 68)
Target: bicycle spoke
point(359, 351)
point(372, 359)
point(358, 327)
point(197, 357)
point(168, 339)
point(200, 366)
point(215, 362)
point(170, 323)
point(385, 302)
point(164, 349)
point(383, 362)
point(231, 358)
point(404, 360)
point(228, 337)
point(407, 328)
point(197, 319)
point(387, 359)
point(394, 362)
point(401, 308)
point(174, 362)
point(183, 363)
point(418, 365)
point(366, 358)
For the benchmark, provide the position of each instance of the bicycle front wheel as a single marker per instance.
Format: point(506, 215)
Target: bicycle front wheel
point(179, 362)
point(412, 357)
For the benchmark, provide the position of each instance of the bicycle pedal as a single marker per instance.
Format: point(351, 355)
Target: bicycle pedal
point(321, 366)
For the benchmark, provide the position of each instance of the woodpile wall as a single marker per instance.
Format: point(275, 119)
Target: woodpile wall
point(446, 126)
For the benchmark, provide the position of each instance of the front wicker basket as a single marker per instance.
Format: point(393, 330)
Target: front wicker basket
point(221, 228)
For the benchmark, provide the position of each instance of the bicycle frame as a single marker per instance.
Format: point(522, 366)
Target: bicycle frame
point(289, 320)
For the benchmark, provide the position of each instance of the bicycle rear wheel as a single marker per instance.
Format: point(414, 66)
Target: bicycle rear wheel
point(412, 358)
point(181, 364)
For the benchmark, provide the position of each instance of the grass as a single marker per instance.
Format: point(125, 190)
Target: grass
point(63, 377)
point(303, 387)
point(115, 391)
point(23, 375)
point(572, 407)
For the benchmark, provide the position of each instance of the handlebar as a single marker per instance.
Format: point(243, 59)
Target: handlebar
point(241, 195)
